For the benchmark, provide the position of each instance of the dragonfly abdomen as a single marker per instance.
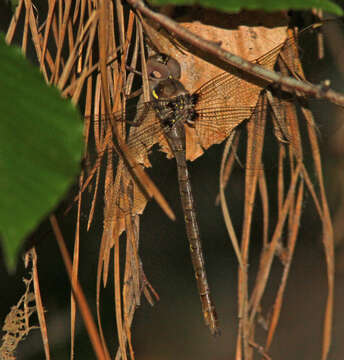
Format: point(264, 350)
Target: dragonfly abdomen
point(176, 139)
point(195, 244)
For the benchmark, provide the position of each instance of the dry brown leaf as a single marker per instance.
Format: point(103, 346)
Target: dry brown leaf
point(248, 41)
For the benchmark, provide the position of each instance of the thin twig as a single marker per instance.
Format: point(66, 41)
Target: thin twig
point(79, 295)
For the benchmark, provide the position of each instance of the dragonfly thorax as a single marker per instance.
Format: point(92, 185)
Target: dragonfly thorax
point(173, 103)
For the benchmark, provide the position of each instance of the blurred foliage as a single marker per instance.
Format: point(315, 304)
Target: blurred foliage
point(267, 5)
point(40, 148)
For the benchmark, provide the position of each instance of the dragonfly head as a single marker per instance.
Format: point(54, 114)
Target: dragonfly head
point(168, 89)
point(161, 67)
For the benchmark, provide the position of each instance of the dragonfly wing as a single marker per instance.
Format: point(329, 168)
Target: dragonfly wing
point(222, 104)
point(142, 138)
point(228, 99)
point(137, 125)
point(227, 85)
point(215, 124)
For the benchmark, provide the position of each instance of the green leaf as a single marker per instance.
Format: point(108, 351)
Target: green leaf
point(267, 5)
point(40, 148)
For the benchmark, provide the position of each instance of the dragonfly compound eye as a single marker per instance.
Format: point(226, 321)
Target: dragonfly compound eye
point(169, 88)
point(173, 68)
point(165, 89)
point(162, 66)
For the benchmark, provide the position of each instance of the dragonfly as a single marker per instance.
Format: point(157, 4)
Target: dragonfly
point(210, 111)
